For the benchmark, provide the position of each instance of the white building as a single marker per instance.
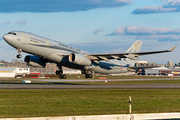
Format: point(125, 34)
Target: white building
point(22, 70)
point(7, 72)
point(170, 64)
point(13, 72)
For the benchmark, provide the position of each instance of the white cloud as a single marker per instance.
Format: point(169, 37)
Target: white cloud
point(138, 30)
point(153, 9)
point(161, 34)
point(172, 3)
point(6, 23)
point(98, 30)
point(169, 6)
point(160, 37)
point(21, 22)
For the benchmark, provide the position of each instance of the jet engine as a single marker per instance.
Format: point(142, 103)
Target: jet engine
point(35, 61)
point(79, 59)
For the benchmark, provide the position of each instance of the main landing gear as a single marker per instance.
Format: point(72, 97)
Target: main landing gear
point(19, 55)
point(87, 74)
point(60, 73)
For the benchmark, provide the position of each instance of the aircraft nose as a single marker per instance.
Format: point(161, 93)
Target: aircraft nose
point(5, 37)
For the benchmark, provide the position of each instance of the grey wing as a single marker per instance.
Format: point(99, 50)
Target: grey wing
point(134, 55)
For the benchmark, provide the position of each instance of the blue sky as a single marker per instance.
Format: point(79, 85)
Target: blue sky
point(97, 26)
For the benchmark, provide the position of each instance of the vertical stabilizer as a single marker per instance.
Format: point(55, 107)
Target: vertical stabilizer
point(135, 47)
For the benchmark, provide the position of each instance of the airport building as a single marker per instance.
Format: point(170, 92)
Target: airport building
point(50, 67)
point(145, 63)
point(174, 71)
point(160, 69)
point(13, 69)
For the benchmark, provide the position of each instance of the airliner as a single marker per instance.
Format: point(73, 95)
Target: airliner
point(44, 50)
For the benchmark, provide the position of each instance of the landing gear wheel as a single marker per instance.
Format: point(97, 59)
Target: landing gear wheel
point(90, 75)
point(62, 76)
point(86, 76)
point(59, 72)
point(86, 71)
point(83, 71)
point(19, 56)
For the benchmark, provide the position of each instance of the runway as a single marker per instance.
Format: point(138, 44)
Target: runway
point(90, 86)
point(97, 80)
point(73, 84)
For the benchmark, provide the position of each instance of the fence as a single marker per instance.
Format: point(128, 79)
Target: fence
point(108, 117)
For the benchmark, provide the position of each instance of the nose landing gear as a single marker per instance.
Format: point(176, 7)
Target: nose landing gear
point(19, 55)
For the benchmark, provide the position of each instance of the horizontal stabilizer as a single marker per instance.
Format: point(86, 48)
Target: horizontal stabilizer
point(142, 67)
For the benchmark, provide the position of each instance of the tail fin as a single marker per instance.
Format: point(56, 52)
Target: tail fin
point(135, 47)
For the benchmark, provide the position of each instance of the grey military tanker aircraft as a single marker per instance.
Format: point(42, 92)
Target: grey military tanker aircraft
point(44, 50)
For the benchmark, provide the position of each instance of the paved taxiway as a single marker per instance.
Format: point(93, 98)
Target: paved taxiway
point(69, 85)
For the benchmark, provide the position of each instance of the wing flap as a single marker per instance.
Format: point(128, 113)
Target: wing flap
point(92, 57)
point(115, 57)
point(104, 58)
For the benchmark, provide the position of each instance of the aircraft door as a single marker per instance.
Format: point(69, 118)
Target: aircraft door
point(48, 43)
point(24, 36)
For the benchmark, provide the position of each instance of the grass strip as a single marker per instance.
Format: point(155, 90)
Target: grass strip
point(66, 102)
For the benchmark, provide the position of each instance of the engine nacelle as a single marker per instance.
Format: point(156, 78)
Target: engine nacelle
point(35, 61)
point(79, 59)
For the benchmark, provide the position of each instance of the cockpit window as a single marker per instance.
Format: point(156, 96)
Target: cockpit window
point(12, 33)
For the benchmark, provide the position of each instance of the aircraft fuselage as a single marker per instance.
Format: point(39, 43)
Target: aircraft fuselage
point(58, 53)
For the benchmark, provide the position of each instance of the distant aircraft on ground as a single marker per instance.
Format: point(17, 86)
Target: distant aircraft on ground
point(44, 50)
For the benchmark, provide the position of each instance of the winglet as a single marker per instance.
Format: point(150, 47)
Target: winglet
point(172, 49)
